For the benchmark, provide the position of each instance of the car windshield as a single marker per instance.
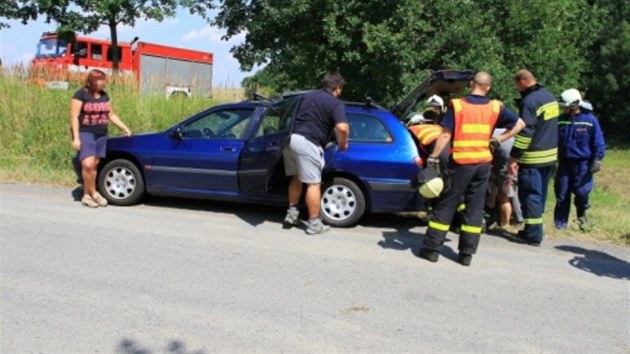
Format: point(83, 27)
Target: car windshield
point(51, 48)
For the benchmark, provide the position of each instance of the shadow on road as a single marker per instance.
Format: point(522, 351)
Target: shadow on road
point(252, 214)
point(77, 193)
point(405, 236)
point(128, 346)
point(597, 262)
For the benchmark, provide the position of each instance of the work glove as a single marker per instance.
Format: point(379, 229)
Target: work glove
point(596, 166)
point(494, 144)
point(434, 163)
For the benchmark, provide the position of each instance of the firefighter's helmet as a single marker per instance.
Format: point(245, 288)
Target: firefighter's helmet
point(432, 188)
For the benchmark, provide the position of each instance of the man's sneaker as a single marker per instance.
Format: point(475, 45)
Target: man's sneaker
point(429, 255)
point(102, 202)
point(292, 219)
point(89, 202)
point(316, 227)
point(465, 259)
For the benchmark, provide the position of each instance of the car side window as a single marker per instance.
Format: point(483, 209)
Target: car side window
point(368, 129)
point(224, 124)
point(277, 119)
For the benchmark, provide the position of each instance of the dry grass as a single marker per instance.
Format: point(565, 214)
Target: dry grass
point(228, 94)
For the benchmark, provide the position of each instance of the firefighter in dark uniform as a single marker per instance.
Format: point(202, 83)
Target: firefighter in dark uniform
point(581, 149)
point(535, 150)
point(468, 126)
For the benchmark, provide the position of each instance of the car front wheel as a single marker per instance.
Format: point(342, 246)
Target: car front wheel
point(343, 203)
point(121, 183)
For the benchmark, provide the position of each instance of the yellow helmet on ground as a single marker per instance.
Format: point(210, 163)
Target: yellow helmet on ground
point(432, 188)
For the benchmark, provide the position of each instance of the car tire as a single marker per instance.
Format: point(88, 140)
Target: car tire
point(121, 183)
point(343, 202)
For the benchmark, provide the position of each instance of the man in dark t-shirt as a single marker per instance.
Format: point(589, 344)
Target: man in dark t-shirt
point(320, 113)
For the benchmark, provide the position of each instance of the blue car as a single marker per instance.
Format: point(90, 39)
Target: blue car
point(233, 152)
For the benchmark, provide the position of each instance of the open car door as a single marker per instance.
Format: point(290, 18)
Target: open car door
point(260, 167)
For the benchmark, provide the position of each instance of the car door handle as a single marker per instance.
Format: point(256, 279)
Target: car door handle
point(228, 149)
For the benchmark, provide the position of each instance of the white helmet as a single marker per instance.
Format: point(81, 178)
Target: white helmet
point(417, 118)
point(432, 188)
point(587, 106)
point(436, 101)
point(570, 98)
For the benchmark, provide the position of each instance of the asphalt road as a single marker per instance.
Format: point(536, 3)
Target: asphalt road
point(198, 277)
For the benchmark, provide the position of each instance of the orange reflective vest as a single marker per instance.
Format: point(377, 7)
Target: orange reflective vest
point(426, 133)
point(474, 124)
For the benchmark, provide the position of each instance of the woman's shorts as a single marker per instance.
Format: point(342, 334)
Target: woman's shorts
point(92, 145)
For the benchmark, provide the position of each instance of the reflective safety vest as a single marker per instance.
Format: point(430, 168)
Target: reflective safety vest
point(426, 133)
point(474, 124)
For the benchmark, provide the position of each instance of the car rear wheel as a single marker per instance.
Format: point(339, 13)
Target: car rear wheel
point(121, 183)
point(343, 203)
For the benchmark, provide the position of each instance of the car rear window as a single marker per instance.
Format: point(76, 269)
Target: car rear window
point(367, 128)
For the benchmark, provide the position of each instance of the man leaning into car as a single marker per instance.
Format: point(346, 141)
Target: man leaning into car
point(319, 115)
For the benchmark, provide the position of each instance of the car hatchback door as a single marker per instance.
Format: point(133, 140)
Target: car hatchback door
point(201, 155)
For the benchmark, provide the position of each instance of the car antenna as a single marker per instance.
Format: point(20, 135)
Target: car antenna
point(370, 102)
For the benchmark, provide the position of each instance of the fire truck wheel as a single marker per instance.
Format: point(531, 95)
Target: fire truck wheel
point(121, 183)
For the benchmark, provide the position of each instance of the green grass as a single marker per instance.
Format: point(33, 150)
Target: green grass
point(35, 147)
point(35, 133)
point(610, 204)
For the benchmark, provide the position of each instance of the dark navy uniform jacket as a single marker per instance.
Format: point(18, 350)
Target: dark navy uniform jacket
point(580, 138)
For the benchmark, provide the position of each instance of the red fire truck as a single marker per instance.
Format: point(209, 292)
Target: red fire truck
point(156, 69)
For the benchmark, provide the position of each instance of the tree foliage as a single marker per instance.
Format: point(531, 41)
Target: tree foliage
point(384, 48)
point(607, 83)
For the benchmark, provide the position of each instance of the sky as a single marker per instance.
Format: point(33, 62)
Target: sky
point(17, 43)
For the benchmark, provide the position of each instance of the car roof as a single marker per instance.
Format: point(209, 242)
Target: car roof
point(440, 82)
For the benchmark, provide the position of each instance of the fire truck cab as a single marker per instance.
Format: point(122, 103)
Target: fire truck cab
point(156, 68)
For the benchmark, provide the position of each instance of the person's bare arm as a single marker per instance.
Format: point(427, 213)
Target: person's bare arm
point(75, 111)
point(343, 134)
point(119, 123)
point(508, 134)
point(440, 143)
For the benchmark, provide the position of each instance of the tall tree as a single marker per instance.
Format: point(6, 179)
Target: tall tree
point(607, 83)
point(385, 47)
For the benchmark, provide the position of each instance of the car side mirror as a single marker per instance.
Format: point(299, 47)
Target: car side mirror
point(177, 133)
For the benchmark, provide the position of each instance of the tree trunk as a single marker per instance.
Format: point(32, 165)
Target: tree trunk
point(115, 49)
